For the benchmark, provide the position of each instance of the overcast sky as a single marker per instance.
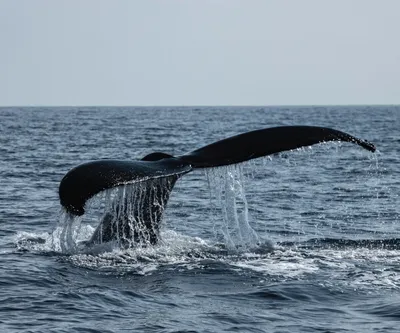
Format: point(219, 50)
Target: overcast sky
point(199, 52)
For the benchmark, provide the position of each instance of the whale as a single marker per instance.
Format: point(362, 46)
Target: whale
point(135, 214)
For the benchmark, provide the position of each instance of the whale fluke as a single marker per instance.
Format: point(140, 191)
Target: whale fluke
point(86, 180)
point(158, 172)
point(246, 146)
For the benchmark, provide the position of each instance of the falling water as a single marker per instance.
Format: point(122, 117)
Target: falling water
point(65, 236)
point(227, 188)
point(131, 216)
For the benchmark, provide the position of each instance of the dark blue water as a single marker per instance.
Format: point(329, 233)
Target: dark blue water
point(318, 251)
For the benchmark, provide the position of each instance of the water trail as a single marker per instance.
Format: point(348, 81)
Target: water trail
point(127, 215)
point(226, 186)
point(65, 236)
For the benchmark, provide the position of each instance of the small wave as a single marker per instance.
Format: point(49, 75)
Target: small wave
point(334, 243)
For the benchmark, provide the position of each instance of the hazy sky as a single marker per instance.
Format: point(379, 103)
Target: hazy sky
point(199, 52)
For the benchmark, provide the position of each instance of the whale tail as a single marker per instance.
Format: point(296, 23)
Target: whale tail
point(86, 180)
point(250, 145)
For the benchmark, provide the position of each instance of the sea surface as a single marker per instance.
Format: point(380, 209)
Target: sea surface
point(306, 240)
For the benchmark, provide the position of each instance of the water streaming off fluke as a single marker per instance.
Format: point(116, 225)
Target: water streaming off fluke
point(128, 216)
point(227, 192)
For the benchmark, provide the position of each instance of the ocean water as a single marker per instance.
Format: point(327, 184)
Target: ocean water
point(304, 241)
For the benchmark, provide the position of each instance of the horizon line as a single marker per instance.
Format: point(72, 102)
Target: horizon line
point(188, 106)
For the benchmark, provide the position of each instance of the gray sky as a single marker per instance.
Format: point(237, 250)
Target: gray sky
point(204, 52)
